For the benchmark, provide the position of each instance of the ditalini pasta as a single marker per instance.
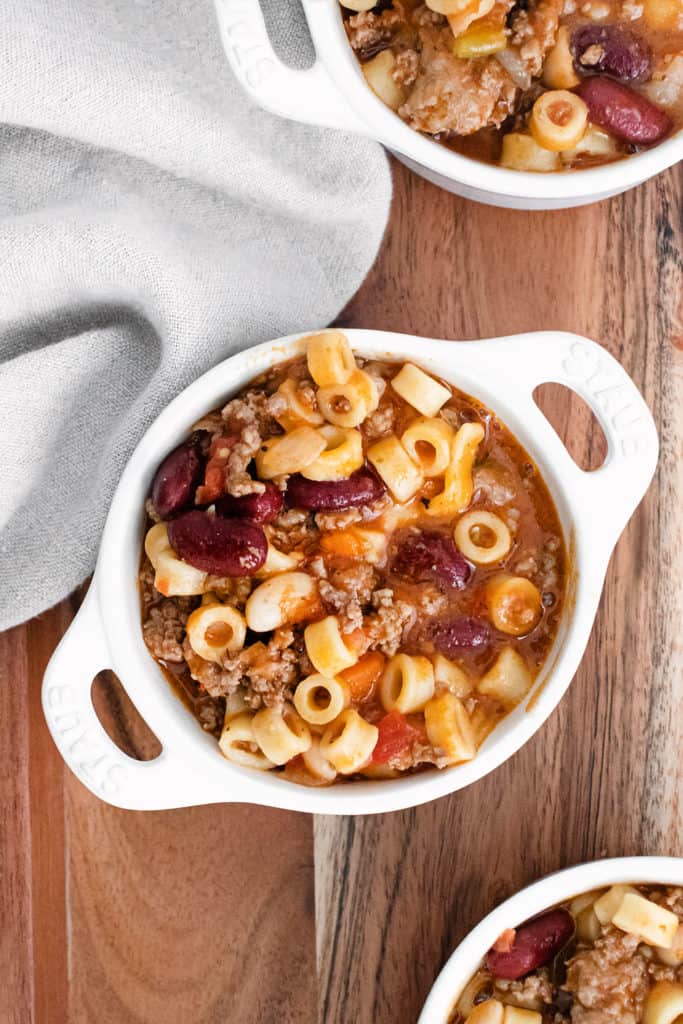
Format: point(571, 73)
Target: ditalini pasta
point(610, 955)
point(351, 570)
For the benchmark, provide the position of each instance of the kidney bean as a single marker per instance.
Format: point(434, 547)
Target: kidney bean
point(176, 478)
point(611, 50)
point(260, 508)
point(360, 488)
point(623, 112)
point(536, 943)
point(452, 635)
point(430, 555)
point(223, 547)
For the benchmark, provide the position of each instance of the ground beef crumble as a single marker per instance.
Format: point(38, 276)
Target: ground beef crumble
point(425, 16)
point(271, 670)
point(531, 993)
point(453, 95)
point(370, 33)
point(609, 982)
point(232, 590)
point(251, 420)
point(386, 626)
point(418, 753)
point(237, 480)
point(380, 422)
point(164, 629)
point(293, 529)
point(347, 591)
point(268, 670)
point(251, 409)
point(534, 32)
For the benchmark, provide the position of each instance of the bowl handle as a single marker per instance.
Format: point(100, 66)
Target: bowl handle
point(307, 95)
point(80, 738)
point(605, 498)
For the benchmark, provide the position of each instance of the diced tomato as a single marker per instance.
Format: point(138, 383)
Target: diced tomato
point(396, 735)
point(214, 474)
point(220, 446)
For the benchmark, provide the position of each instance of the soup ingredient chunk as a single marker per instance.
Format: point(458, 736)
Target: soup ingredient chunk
point(176, 478)
point(430, 555)
point(611, 50)
point(623, 112)
point(535, 944)
point(224, 547)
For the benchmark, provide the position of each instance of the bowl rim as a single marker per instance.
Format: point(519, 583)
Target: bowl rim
point(190, 769)
point(332, 47)
point(531, 900)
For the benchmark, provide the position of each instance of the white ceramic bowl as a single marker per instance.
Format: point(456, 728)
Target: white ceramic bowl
point(333, 93)
point(503, 372)
point(531, 901)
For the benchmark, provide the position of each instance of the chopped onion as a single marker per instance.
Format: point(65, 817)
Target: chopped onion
point(515, 67)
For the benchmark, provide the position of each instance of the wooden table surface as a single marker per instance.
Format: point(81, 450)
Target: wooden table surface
point(242, 914)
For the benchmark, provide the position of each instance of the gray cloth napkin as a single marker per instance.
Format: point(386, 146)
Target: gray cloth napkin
point(152, 221)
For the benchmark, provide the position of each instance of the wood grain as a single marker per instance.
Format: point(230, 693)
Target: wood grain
point(207, 915)
point(395, 893)
point(113, 917)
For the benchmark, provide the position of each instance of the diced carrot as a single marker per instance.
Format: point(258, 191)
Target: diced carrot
point(342, 542)
point(361, 677)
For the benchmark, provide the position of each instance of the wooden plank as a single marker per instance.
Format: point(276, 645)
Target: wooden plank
point(110, 917)
point(202, 914)
point(16, 955)
point(396, 892)
point(48, 860)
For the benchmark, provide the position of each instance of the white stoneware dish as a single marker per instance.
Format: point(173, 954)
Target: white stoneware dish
point(106, 633)
point(536, 898)
point(333, 93)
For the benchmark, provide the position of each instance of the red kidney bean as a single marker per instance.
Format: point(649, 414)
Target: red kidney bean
point(428, 555)
point(611, 50)
point(260, 508)
point(176, 478)
point(222, 547)
point(360, 488)
point(536, 943)
point(623, 112)
point(453, 635)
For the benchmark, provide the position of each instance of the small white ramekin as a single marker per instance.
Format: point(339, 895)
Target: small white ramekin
point(333, 93)
point(536, 898)
point(106, 633)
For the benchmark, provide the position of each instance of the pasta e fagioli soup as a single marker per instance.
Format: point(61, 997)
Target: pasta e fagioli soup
point(351, 570)
point(528, 85)
point(610, 954)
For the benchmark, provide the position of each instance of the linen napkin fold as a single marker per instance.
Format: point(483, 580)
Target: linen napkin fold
point(152, 221)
